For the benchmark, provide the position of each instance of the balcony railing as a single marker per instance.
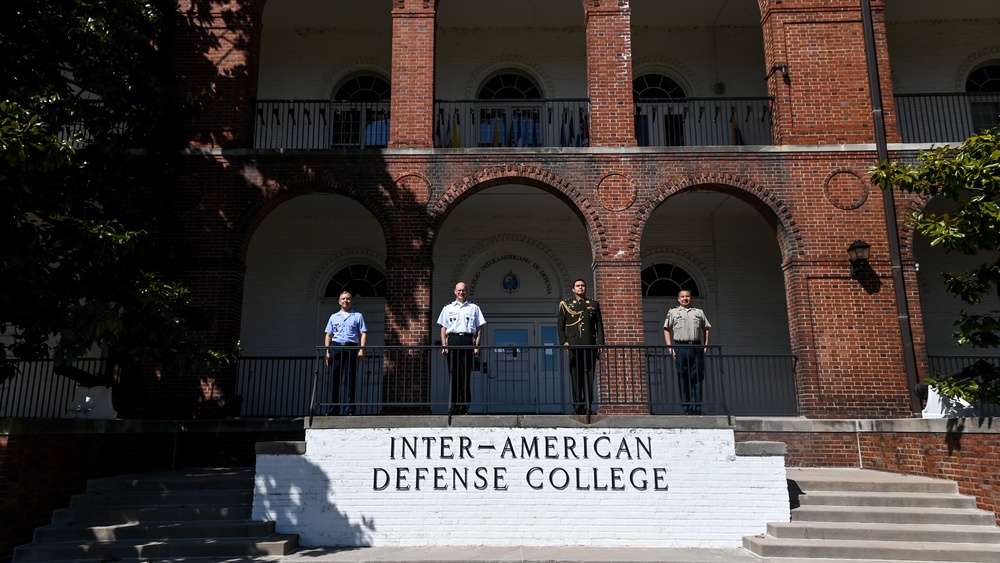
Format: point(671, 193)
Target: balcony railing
point(505, 379)
point(686, 122)
point(512, 123)
point(515, 379)
point(945, 118)
point(952, 365)
point(320, 124)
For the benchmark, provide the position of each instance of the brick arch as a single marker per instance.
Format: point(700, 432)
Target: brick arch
point(527, 176)
point(907, 233)
point(771, 207)
point(271, 193)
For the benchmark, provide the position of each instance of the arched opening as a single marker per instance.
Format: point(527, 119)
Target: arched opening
point(725, 252)
point(517, 248)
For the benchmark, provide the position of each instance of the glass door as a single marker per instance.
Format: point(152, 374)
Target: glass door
point(520, 370)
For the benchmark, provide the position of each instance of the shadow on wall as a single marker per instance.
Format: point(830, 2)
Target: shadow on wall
point(285, 491)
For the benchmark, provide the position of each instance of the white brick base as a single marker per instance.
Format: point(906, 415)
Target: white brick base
point(635, 487)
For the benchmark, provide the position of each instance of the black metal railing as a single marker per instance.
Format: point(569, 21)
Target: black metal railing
point(38, 392)
point(512, 123)
point(944, 366)
point(320, 124)
point(686, 122)
point(945, 118)
point(505, 379)
point(516, 379)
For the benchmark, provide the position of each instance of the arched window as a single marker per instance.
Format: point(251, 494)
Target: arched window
point(507, 123)
point(984, 79)
point(652, 86)
point(361, 112)
point(360, 279)
point(667, 280)
point(509, 85)
point(653, 110)
point(363, 88)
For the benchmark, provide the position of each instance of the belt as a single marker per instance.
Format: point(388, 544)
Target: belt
point(344, 343)
point(460, 334)
point(687, 341)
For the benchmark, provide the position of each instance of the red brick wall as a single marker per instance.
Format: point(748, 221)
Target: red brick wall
point(215, 46)
point(826, 98)
point(413, 30)
point(609, 73)
point(844, 329)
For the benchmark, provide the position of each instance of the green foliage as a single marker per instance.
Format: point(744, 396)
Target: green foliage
point(969, 175)
point(85, 188)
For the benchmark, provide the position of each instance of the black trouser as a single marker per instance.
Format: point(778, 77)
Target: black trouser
point(581, 374)
point(343, 367)
point(460, 367)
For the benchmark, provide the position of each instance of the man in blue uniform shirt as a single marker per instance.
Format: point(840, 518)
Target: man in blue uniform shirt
point(345, 339)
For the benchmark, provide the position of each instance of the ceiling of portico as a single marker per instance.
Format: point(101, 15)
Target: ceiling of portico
point(306, 14)
point(302, 14)
point(897, 11)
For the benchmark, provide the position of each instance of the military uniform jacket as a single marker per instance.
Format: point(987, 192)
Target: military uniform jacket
point(580, 322)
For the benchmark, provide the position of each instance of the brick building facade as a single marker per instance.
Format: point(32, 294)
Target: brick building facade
point(588, 138)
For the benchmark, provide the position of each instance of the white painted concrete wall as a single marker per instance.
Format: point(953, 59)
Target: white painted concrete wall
point(334, 496)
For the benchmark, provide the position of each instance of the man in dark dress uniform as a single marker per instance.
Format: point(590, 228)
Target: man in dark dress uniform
point(580, 328)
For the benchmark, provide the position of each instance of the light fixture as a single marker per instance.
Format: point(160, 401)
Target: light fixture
point(858, 254)
point(783, 69)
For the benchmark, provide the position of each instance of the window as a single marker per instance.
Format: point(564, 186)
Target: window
point(361, 112)
point(984, 80)
point(651, 94)
point(507, 124)
point(359, 279)
point(667, 280)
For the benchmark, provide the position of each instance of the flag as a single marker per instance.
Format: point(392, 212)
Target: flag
point(585, 131)
point(563, 132)
point(496, 132)
point(737, 134)
point(515, 130)
point(454, 130)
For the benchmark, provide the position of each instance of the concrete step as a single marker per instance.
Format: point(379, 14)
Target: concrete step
point(871, 498)
point(160, 498)
point(857, 549)
point(894, 515)
point(198, 479)
point(884, 532)
point(158, 530)
point(144, 549)
point(845, 479)
point(118, 515)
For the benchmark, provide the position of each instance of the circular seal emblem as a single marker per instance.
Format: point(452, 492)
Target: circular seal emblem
point(510, 283)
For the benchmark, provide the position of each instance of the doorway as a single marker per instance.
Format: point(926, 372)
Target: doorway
point(520, 369)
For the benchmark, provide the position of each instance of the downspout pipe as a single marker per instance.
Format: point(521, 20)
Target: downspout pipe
point(889, 204)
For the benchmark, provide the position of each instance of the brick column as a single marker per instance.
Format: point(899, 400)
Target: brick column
point(413, 27)
point(408, 320)
point(216, 48)
point(818, 74)
point(609, 73)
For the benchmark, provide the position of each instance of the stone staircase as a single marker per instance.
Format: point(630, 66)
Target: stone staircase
point(855, 515)
point(189, 515)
